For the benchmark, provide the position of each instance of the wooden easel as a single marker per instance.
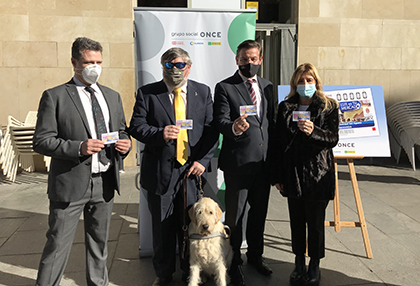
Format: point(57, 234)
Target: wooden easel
point(361, 223)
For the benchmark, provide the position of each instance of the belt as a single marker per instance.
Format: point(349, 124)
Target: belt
point(95, 175)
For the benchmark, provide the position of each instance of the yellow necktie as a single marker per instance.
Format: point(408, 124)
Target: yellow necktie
point(182, 140)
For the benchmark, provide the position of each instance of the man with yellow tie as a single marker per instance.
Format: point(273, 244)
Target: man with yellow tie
point(172, 117)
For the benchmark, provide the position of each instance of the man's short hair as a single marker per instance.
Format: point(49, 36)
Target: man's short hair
point(81, 44)
point(249, 44)
point(174, 53)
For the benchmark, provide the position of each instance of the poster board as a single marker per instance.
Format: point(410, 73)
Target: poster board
point(363, 126)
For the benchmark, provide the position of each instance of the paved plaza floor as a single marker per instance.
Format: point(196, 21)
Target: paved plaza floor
point(390, 195)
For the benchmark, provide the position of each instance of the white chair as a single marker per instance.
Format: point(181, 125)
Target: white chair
point(1, 142)
point(404, 123)
point(16, 150)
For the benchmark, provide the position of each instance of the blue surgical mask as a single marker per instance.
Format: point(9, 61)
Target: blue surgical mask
point(306, 90)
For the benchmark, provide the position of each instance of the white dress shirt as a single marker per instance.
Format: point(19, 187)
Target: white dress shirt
point(183, 94)
point(257, 90)
point(85, 97)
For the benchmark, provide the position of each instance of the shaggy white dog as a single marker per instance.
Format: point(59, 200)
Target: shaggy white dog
point(210, 249)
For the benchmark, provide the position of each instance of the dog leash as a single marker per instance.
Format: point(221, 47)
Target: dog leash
point(185, 225)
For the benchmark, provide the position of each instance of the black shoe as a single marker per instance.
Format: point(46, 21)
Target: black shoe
point(236, 276)
point(260, 265)
point(297, 277)
point(185, 277)
point(162, 281)
point(314, 274)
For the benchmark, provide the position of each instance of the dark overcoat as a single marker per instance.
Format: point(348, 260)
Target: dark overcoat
point(305, 164)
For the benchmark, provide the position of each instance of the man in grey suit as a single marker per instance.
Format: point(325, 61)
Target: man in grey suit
point(72, 120)
point(244, 154)
point(160, 109)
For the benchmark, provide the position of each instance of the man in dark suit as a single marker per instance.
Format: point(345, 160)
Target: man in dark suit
point(171, 152)
point(83, 173)
point(243, 157)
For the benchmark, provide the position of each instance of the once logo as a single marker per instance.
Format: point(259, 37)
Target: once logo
point(211, 34)
point(346, 145)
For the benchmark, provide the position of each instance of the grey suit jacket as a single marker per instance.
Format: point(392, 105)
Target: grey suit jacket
point(61, 126)
point(243, 154)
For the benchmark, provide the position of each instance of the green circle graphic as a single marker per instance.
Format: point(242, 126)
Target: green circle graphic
point(242, 28)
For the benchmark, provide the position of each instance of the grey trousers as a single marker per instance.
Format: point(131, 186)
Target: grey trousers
point(63, 219)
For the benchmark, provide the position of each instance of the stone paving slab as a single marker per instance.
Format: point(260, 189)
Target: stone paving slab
point(390, 197)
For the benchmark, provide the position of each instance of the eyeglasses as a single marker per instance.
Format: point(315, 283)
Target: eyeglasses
point(179, 66)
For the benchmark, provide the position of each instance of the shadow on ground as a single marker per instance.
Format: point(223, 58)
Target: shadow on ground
point(24, 178)
point(22, 238)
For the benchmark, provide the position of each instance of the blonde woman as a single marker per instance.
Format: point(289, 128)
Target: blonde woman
point(304, 169)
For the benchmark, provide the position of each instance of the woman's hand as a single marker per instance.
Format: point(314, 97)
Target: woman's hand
point(306, 126)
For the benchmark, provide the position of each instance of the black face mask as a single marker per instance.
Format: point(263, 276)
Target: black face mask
point(249, 70)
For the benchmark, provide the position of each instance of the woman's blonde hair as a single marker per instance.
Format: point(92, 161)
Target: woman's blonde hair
point(312, 71)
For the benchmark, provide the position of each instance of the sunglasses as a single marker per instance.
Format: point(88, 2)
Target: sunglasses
point(179, 66)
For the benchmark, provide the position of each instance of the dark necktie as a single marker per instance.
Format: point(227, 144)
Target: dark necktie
point(100, 127)
point(251, 90)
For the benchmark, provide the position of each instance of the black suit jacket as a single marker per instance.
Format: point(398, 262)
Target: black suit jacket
point(61, 127)
point(152, 112)
point(240, 154)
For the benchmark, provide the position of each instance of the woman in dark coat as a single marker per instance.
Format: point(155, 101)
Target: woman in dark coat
point(304, 168)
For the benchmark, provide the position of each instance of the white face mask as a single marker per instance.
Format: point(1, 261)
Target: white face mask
point(91, 73)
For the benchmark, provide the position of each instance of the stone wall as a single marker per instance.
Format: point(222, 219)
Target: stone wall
point(363, 42)
point(35, 43)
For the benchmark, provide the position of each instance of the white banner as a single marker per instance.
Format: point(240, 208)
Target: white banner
point(211, 39)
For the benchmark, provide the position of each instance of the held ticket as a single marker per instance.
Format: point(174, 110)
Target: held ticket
point(301, 115)
point(185, 124)
point(109, 138)
point(248, 109)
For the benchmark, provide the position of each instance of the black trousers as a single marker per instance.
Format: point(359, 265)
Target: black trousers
point(167, 220)
point(240, 190)
point(308, 213)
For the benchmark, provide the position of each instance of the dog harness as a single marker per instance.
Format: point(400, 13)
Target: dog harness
point(198, 236)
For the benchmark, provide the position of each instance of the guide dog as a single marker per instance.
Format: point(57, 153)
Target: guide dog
point(210, 249)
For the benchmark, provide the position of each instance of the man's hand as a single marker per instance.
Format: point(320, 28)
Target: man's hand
point(123, 145)
point(196, 169)
point(240, 124)
point(91, 146)
point(170, 132)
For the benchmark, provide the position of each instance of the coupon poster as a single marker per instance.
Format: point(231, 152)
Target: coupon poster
point(357, 114)
point(363, 129)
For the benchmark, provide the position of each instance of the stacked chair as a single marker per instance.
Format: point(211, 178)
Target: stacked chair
point(16, 149)
point(404, 124)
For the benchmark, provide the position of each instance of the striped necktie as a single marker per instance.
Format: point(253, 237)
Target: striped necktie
point(100, 126)
point(182, 139)
point(251, 90)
